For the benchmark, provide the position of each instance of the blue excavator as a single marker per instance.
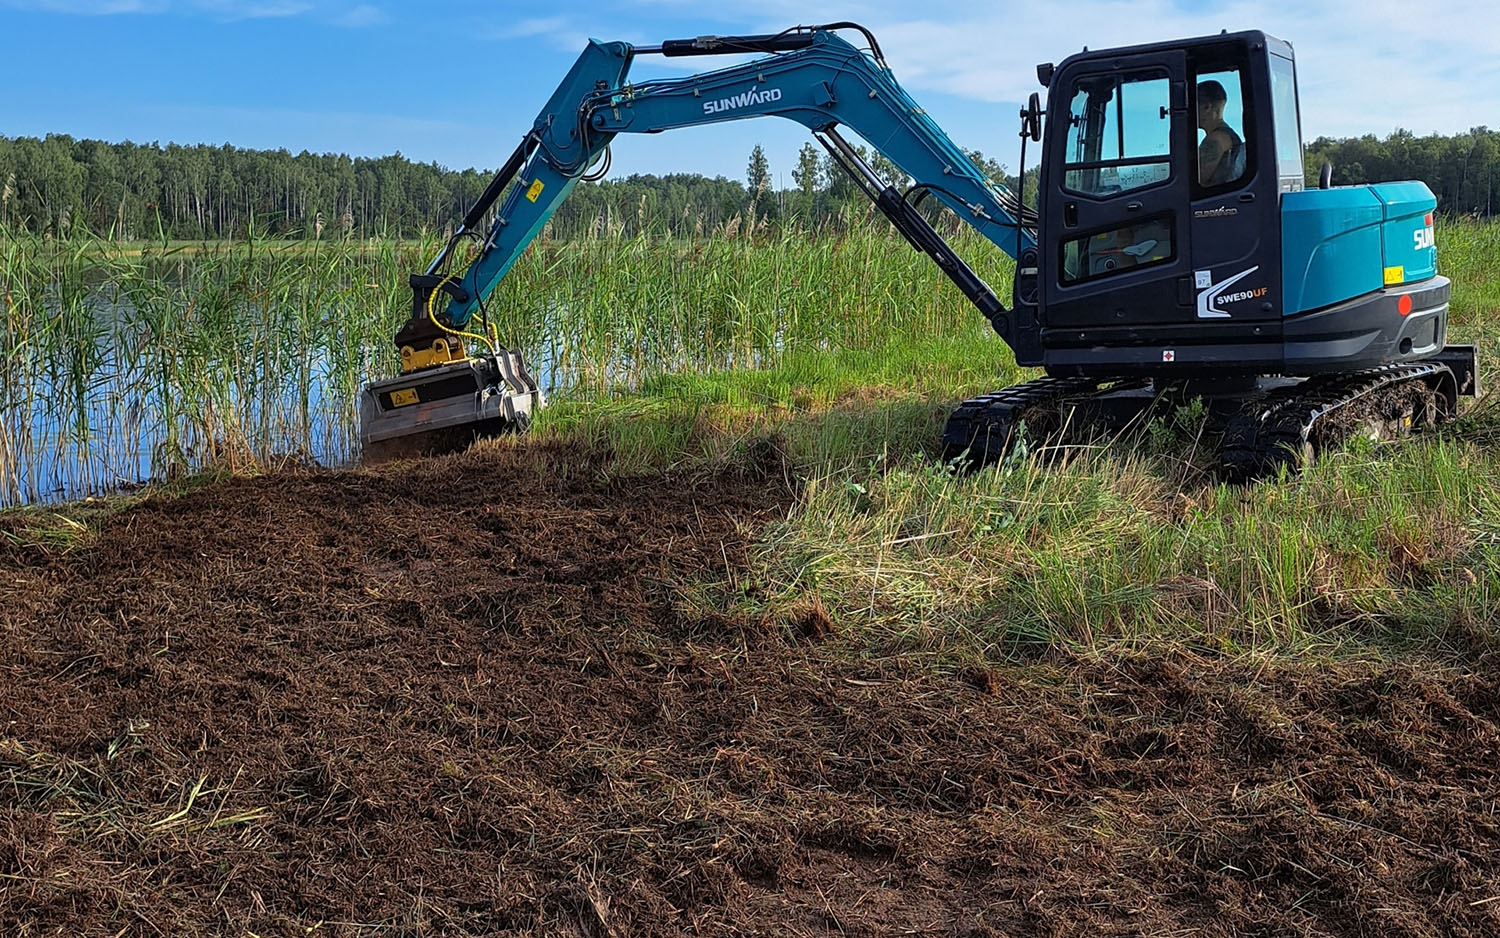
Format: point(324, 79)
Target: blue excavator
point(1174, 252)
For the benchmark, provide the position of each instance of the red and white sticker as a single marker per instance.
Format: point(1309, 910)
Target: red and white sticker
point(1168, 355)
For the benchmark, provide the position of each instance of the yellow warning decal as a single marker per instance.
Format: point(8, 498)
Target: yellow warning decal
point(535, 190)
point(1394, 275)
point(403, 397)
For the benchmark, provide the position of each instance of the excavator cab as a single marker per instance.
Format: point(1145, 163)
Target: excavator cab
point(1152, 261)
point(1176, 239)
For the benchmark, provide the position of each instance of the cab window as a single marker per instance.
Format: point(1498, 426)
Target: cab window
point(1120, 134)
point(1142, 243)
point(1223, 151)
point(1288, 126)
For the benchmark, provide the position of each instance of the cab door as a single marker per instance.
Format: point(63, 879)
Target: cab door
point(1236, 212)
point(1115, 225)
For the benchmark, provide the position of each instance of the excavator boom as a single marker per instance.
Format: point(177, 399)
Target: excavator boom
point(809, 75)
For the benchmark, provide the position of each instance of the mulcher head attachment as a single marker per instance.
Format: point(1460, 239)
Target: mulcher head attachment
point(443, 409)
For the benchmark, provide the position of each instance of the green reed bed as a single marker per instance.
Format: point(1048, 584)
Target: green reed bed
point(129, 362)
point(1467, 252)
point(608, 313)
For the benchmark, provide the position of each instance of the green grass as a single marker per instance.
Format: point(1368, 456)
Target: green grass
point(1374, 551)
point(1370, 552)
point(827, 409)
point(1467, 252)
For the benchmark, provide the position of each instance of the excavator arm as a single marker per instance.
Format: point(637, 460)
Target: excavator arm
point(810, 75)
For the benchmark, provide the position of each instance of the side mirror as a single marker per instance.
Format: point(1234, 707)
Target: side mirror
point(1031, 118)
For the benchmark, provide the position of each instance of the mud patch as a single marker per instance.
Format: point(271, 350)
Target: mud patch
point(464, 697)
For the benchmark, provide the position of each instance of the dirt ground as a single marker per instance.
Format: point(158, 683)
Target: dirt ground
point(477, 696)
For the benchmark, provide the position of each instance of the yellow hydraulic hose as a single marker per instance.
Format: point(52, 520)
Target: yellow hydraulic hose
point(489, 340)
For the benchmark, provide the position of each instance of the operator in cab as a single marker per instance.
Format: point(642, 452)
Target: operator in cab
point(1221, 154)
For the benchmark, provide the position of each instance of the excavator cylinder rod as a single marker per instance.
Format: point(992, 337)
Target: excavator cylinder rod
point(724, 45)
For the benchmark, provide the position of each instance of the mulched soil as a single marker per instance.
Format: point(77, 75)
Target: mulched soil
point(480, 695)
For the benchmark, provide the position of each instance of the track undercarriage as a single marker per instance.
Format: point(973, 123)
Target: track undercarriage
point(1263, 423)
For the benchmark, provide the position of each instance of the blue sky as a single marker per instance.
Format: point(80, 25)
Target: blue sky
point(459, 81)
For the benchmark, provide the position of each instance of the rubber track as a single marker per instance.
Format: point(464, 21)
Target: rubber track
point(1275, 429)
point(983, 428)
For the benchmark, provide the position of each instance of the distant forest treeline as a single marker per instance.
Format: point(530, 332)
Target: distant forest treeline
point(60, 186)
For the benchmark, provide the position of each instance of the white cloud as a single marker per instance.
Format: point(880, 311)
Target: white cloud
point(1365, 66)
point(360, 17)
point(558, 32)
point(89, 7)
point(241, 10)
point(534, 26)
point(225, 9)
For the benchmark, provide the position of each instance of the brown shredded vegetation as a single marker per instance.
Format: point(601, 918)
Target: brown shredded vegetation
point(484, 695)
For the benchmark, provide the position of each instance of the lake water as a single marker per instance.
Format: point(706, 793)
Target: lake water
point(114, 411)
